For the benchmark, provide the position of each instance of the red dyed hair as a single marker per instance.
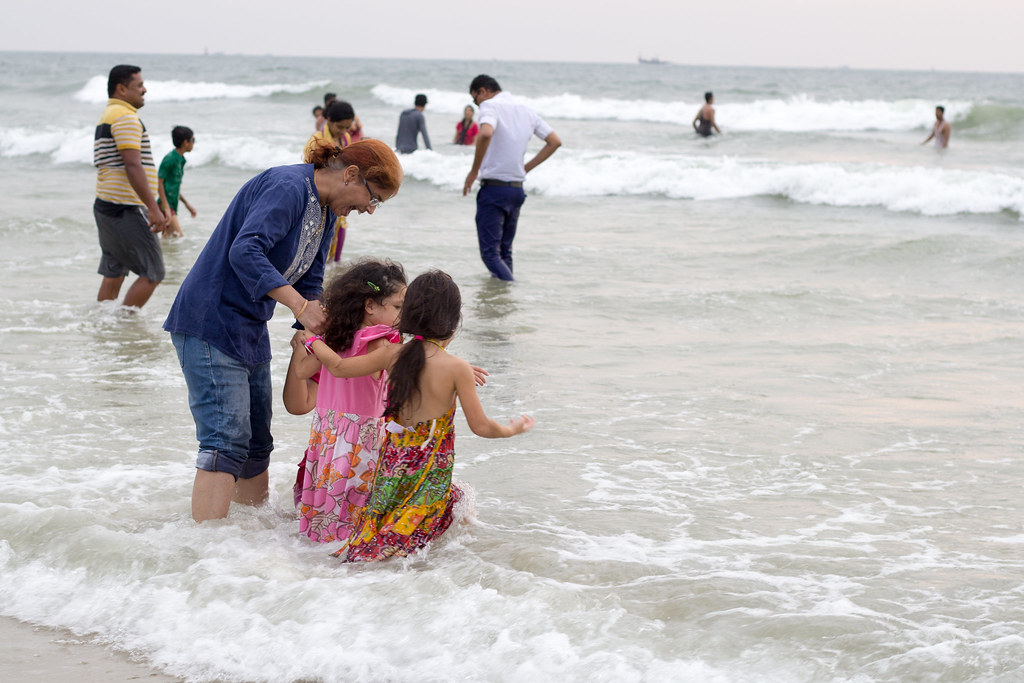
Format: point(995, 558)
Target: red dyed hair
point(374, 159)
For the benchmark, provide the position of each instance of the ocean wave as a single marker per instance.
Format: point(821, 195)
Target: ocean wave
point(916, 189)
point(992, 120)
point(17, 142)
point(580, 173)
point(95, 90)
point(800, 113)
point(74, 146)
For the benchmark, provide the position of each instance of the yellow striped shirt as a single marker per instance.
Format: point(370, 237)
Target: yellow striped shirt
point(120, 128)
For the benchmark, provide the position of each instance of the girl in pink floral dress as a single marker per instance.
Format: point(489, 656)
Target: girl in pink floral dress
point(362, 306)
point(412, 497)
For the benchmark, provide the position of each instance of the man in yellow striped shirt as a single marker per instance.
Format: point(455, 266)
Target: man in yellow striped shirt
point(127, 215)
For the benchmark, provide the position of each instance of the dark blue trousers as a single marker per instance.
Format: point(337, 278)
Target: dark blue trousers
point(497, 213)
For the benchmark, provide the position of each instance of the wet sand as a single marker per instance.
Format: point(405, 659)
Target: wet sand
point(37, 653)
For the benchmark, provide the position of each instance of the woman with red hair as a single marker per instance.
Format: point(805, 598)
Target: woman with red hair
point(269, 247)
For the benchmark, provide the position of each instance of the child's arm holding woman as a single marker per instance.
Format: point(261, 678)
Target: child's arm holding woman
point(466, 379)
point(299, 389)
point(368, 363)
point(375, 360)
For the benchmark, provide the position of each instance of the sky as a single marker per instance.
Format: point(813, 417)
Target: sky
point(981, 35)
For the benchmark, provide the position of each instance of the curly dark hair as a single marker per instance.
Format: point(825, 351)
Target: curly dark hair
point(345, 297)
point(433, 310)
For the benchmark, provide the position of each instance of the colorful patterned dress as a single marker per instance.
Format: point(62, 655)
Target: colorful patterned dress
point(412, 497)
point(335, 474)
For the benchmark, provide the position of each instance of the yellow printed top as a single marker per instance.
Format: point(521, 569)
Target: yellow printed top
point(324, 133)
point(120, 128)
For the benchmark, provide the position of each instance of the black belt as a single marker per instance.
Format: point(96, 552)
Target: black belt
point(501, 183)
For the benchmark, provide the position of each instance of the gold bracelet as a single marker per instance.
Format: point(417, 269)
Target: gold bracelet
point(302, 310)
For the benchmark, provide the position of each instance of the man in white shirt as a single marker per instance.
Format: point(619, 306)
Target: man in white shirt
point(506, 127)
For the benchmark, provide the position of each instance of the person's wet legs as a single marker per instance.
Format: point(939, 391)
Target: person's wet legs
point(497, 213)
point(110, 287)
point(140, 291)
point(231, 405)
point(211, 495)
point(508, 233)
point(253, 485)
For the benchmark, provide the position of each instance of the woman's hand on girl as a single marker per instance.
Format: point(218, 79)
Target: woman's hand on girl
point(312, 317)
point(479, 375)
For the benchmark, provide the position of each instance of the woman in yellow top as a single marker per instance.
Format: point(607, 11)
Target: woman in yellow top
point(339, 119)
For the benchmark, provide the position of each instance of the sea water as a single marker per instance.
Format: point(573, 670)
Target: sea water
point(776, 374)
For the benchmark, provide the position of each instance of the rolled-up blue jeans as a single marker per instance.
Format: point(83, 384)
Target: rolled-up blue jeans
point(231, 403)
point(497, 214)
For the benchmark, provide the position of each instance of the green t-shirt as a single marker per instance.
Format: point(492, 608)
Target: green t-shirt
point(172, 168)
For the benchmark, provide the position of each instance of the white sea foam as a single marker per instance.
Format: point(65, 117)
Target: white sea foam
point(210, 609)
point(75, 146)
point(928, 191)
point(95, 90)
point(16, 142)
point(917, 189)
point(800, 113)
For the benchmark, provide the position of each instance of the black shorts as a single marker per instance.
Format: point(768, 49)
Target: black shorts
point(126, 242)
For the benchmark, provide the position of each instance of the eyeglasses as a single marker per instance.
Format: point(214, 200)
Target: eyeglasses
point(375, 201)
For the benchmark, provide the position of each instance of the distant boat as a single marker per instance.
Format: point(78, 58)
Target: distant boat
point(653, 60)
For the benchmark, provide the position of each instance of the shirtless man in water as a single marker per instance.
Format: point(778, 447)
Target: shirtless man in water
point(704, 121)
point(941, 129)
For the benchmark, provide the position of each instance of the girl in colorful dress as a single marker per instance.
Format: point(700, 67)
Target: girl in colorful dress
point(332, 484)
point(412, 496)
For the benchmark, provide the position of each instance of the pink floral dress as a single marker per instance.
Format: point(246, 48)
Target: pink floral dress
point(334, 477)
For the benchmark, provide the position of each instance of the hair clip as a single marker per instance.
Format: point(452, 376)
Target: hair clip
point(373, 286)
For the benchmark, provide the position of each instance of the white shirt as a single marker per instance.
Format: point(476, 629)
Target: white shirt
point(513, 124)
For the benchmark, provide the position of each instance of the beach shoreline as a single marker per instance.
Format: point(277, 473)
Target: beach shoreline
point(40, 653)
point(776, 376)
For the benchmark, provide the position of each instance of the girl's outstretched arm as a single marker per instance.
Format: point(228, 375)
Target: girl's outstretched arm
point(299, 390)
point(465, 388)
point(356, 366)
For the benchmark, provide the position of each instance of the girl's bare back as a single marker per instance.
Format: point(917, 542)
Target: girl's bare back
point(437, 385)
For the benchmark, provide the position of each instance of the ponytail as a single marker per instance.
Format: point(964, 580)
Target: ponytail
point(432, 310)
point(403, 378)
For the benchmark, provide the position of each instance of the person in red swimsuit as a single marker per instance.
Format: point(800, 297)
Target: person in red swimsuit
point(466, 129)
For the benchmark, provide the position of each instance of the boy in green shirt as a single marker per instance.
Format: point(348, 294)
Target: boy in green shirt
point(172, 168)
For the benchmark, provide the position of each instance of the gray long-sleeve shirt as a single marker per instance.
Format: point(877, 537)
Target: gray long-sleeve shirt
point(410, 124)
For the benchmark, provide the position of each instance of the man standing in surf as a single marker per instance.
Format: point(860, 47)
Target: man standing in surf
point(126, 191)
point(704, 121)
point(941, 130)
point(506, 127)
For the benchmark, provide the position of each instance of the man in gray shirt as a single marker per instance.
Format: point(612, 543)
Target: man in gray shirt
point(410, 124)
